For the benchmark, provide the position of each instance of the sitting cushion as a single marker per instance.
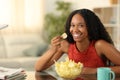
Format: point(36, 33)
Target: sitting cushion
point(36, 50)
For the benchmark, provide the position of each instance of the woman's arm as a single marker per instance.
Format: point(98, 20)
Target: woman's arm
point(104, 48)
point(56, 50)
point(111, 53)
point(47, 59)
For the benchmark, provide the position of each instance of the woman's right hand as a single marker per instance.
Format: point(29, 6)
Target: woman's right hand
point(55, 43)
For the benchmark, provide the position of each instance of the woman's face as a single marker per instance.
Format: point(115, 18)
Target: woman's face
point(78, 28)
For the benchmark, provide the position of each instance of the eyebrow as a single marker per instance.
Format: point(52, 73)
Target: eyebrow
point(79, 23)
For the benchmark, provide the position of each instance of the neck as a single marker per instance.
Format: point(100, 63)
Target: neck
point(82, 46)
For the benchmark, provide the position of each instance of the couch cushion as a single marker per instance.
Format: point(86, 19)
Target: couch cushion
point(36, 50)
point(16, 44)
point(2, 48)
point(10, 63)
point(26, 63)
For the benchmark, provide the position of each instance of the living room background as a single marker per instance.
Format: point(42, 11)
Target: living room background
point(21, 42)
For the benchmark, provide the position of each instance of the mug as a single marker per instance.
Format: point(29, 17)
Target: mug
point(105, 74)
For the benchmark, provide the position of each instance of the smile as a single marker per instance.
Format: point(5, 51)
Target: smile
point(77, 35)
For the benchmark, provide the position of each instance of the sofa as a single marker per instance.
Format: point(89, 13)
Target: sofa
point(21, 50)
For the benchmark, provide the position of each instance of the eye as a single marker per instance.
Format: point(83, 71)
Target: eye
point(72, 25)
point(80, 25)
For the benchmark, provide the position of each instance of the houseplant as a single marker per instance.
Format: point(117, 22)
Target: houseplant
point(54, 22)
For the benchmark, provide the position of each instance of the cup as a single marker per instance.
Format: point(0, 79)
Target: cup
point(105, 74)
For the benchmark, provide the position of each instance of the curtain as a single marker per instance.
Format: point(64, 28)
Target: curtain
point(22, 16)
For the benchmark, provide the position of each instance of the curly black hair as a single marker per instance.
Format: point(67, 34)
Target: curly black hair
point(95, 28)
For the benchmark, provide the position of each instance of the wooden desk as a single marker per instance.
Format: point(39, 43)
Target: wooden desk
point(46, 76)
point(94, 77)
point(30, 75)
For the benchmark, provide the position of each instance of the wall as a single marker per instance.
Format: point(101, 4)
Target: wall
point(49, 5)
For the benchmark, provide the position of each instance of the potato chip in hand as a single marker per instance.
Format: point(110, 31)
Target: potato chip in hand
point(64, 35)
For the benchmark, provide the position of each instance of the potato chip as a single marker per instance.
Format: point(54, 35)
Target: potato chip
point(64, 35)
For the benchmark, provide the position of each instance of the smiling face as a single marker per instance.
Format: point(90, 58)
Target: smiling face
point(78, 28)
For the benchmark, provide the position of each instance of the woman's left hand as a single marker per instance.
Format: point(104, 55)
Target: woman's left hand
point(87, 70)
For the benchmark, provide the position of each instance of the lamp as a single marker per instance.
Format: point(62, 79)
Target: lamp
point(3, 26)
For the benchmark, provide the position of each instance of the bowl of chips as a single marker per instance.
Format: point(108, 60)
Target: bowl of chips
point(68, 69)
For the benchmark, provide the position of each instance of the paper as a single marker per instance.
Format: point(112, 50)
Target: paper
point(6, 73)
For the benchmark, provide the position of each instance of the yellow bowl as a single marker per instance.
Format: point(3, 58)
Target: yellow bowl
point(68, 69)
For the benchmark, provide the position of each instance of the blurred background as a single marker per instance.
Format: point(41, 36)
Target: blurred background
point(32, 24)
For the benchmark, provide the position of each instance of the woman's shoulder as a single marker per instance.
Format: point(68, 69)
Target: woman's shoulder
point(101, 43)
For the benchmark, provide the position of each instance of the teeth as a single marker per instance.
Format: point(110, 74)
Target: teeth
point(76, 35)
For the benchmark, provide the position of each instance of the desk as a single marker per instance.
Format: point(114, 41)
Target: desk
point(94, 77)
point(46, 76)
point(32, 75)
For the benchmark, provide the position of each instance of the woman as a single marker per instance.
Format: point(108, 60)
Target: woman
point(88, 42)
